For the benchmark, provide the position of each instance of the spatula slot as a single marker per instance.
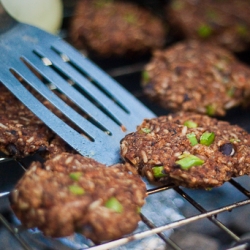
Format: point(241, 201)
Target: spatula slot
point(101, 104)
point(53, 108)
point(66, 59)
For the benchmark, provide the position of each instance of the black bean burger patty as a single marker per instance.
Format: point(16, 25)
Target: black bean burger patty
point(71, 193)
point(188, 149)
point(195, 76)
point(225, 23)
point(115, 28)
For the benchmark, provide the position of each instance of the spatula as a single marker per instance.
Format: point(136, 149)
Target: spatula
point(110, 110)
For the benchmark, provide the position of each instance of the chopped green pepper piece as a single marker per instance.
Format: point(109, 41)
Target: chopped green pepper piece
point(177, 5)
point(77, 190)
point(114, 205)
point(102, 3)
point(192, 139)
point(234, 140)
point(230, 92)
point(75, 176)
point(210, 109)
point(207, 138)
point(204, 31)
point(146, 130)
point(158, 171)
point(130, 18)
point(138, 210)
point(145, 77)
point(189, 161)
point(190, 124)
point(242, 30)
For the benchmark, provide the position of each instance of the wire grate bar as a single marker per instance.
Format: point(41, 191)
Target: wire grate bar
point(161, 235)
point(15, 233)
point(240, 188)
point(211, 218)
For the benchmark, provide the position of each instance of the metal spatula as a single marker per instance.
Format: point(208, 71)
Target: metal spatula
point(110, 110)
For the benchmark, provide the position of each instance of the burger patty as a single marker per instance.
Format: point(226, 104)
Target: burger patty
point(115, 28)
point(197, 77)
point(23, 134)
point(71, 193)
point(223, 23)
point(188, 149)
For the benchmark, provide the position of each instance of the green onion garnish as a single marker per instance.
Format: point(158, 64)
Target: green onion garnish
point(189, 161)
point(207, 138)
point(192, 139)
point(190, 124)
point(114, 205)
point(75, 176)
point(77, 190)
point(158, 171)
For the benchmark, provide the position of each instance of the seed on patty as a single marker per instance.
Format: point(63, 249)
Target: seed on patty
point(227, 149)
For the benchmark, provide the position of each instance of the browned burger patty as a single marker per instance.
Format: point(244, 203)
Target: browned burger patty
point(115, 28)
point(225, 23)
point(188, 149)
point(21, 133)
point(193, 76)
point(71, 193)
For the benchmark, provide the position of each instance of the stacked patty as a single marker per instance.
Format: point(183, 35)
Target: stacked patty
point(115, 28)
point(71, 193)
point(225, 23)
point(198, 77)
point(188, 149)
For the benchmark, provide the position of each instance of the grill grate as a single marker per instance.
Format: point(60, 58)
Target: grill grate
point(205, 210)
point(210, 215)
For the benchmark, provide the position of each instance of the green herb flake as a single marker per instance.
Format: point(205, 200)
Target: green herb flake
point(189, 161)
point(192, 139)
point(204, 31)
point(158, 171)
point(77, 190)
point(207, 138)
point(146, 130)
point(114, 205)
point(75, 176)
point(190, 124)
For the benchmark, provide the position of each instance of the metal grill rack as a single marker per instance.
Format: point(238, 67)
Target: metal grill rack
point(208, 208)
point(209, 215)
